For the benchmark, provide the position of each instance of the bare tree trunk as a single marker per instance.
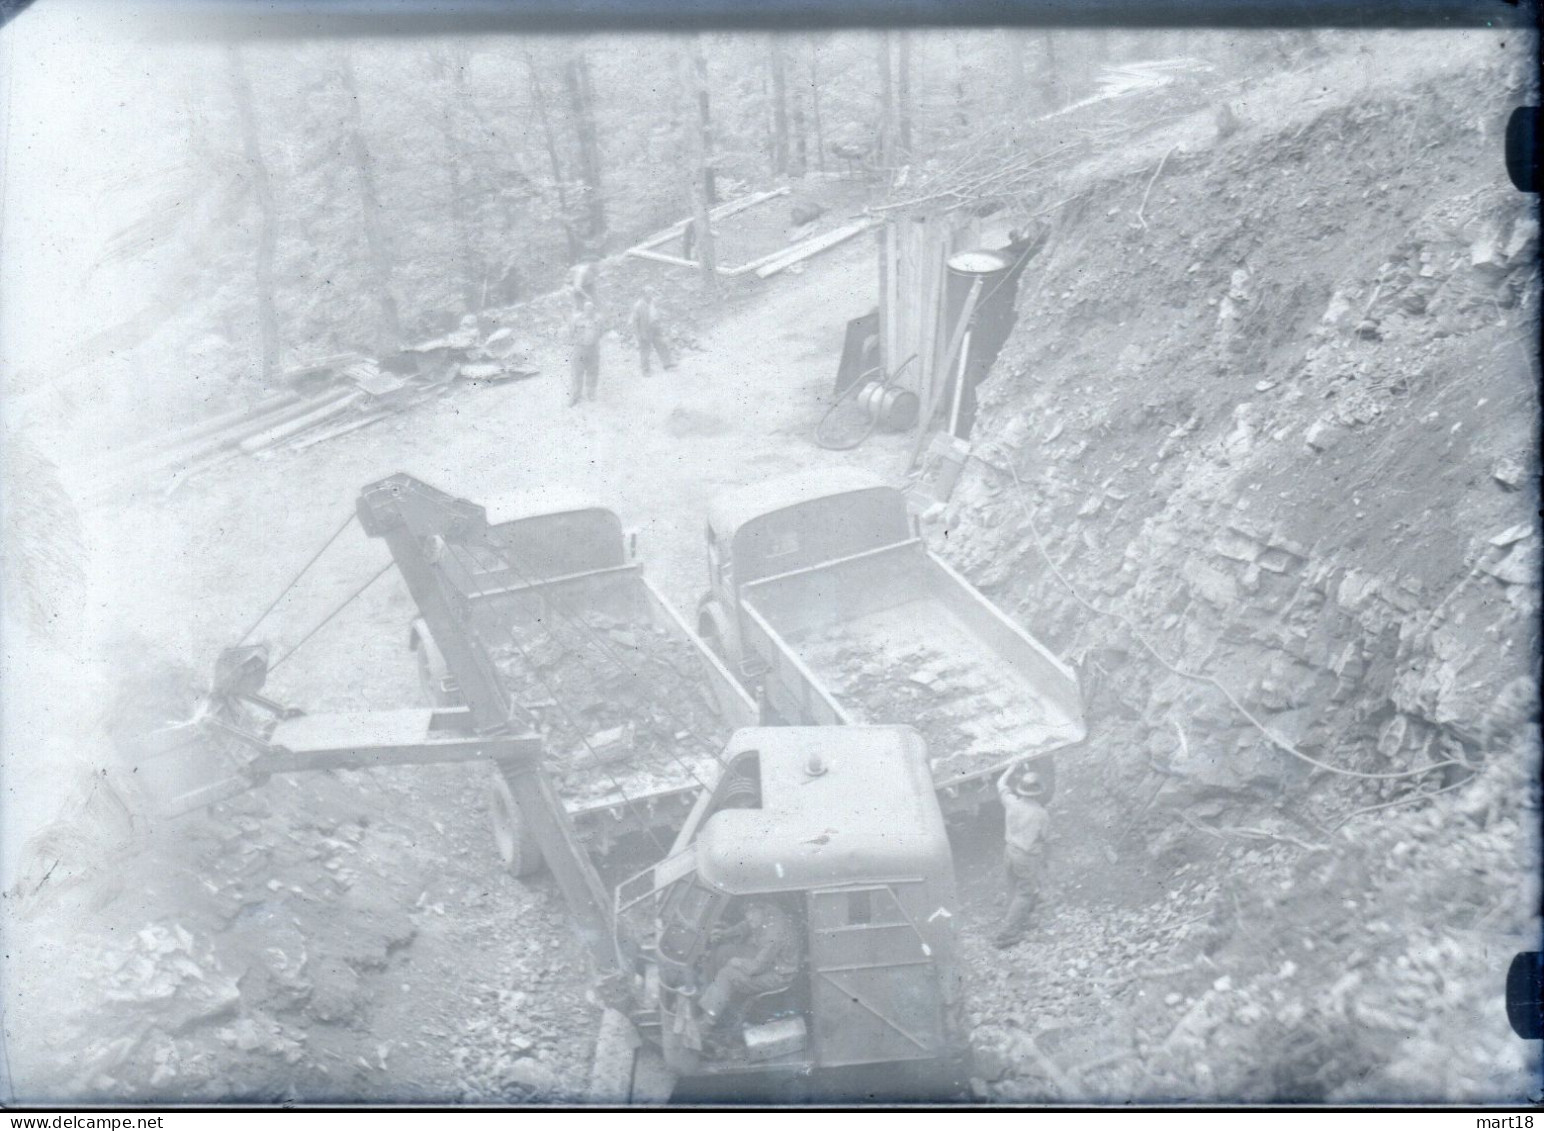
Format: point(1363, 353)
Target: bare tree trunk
point(267, 230)
point(799, 157)
point(886, 101)
point(700, 177)
point(1017, 65)
point(450, 61)
point(581, 101)
point(697, 83)
point(961, 116)
point(550, 137)
point(1050, 79)
point(389, 327)
point(903, 94)
point(820, 133)
point(779, 106)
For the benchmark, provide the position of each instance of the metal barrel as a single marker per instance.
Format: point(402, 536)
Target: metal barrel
point(990, 323)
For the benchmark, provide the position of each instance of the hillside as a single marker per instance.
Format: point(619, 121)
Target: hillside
point(1262, 462)
point(1257, 459)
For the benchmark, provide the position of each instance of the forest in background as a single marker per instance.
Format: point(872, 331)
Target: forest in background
point(312, 198)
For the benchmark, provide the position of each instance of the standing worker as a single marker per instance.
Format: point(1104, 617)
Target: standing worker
point(648, 326)
point(1023, 794)
point(583, 349)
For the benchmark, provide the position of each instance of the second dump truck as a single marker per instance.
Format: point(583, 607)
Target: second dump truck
point(827, 603)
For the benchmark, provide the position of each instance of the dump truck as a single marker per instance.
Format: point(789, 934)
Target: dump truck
point(839, 827)
point(828, 605)
point(633, 708)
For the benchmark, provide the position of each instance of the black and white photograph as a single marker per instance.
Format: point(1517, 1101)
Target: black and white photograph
point(929, 564)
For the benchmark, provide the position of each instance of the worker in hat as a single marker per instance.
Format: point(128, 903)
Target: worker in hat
point(1024, 793)
point(648, 325)
point(584, 334)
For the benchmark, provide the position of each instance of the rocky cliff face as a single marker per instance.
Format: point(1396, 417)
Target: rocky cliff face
point(1258, 457)
point(1280, 435)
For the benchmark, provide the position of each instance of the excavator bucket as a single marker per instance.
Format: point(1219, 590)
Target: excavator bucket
point(184, 765)
point(184, 768)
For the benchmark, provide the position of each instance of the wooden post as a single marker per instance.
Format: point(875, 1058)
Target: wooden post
point(929, 410)
point(694, 66)
point(882, 244)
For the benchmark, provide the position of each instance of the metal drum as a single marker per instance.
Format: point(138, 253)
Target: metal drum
point(994, 306)
point(891, 407)
point(990, 275)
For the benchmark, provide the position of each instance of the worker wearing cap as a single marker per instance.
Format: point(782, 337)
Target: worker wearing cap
point(1023, 794)
point(649, 327)
point(767, 962)
point(584, 331)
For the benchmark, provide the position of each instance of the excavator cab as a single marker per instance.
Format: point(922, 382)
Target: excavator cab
point(839, 830)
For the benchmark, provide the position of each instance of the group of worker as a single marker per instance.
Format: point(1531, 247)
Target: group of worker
point(646, 321)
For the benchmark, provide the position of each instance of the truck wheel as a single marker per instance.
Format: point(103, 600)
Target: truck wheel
point(511, 832)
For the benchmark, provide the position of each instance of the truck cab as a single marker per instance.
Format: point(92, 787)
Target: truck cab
point(785, 525)
point(840, 830)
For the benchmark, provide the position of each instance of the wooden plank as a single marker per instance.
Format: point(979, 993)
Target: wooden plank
point(940, 251)
point(675, 230)
point(927, 340)
point(760, 261)
point(812, 247)
point(893, 358)
point(886, 309)
point(897, 298)
point(904, 346)
point(306, 441)
point(661, 257)
point(941, 383)
point(261, 440)
point(198, 450)
point(157, 446)
point(925, 328)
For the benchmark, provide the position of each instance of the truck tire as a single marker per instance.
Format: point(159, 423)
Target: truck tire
point(511, 832)
point(718, 633)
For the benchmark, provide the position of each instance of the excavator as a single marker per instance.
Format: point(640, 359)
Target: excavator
point(838, 826)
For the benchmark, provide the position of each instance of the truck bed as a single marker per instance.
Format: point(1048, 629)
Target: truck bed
point(895, 636)
point(916, 663)
point(630, 703)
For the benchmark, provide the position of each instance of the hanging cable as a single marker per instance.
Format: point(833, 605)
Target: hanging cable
point(380, 573)
point(296, 579)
